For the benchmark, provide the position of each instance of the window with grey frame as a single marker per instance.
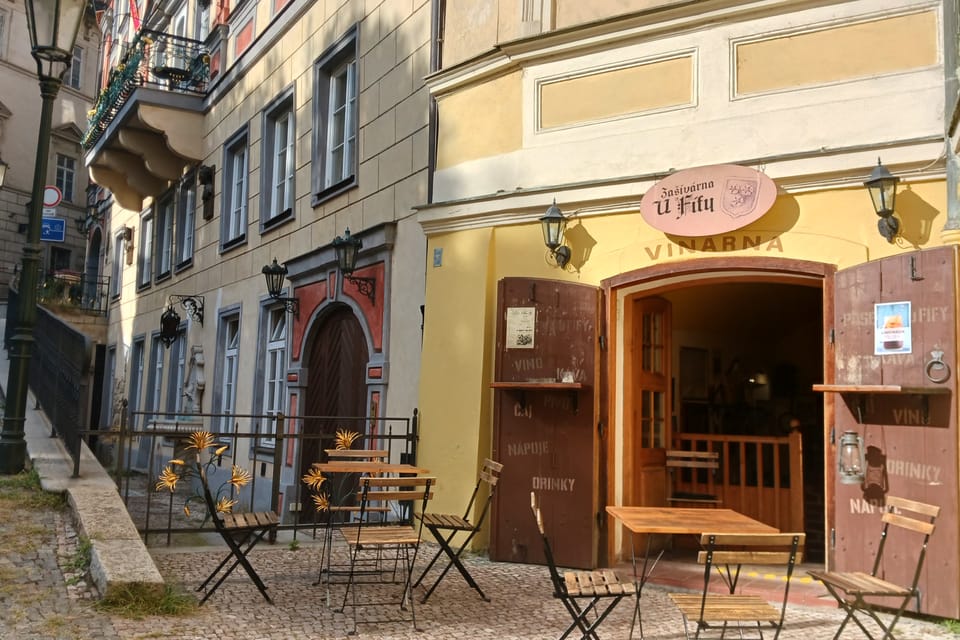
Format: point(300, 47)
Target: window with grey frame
point(154, 380)
point(145, 258)
point(116, 269)
point(66, 176)
point(229, 369)
point(163, 248)
point(74, 74)
point(335, 118)
point(233, 218)
point(176, 374)
point(278, 165)
point(273, 371)
point(136, 380)
point(186, 221)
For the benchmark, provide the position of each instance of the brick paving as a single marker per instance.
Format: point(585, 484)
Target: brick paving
point(38, 603)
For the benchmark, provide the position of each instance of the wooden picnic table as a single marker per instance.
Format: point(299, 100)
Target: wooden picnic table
point(676, 520)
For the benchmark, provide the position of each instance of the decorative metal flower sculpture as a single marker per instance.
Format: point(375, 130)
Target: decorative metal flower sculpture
point(316, 481)
point(193, 465)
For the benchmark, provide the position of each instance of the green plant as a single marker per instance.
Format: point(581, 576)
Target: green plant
point(294, 545)
point(24, 489)
point(138, 601)
point(953, 626)
point(79, 562)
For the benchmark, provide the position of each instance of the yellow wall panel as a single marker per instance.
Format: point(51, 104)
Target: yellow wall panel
point(842, 53)
point(480, 121)
point(617, 92)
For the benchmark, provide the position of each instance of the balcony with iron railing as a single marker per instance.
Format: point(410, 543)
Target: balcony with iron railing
point(146, 125)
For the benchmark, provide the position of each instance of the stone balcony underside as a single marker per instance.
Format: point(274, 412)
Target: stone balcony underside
point(152, 141)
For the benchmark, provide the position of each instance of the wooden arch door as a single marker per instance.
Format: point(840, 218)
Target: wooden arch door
point(337, 361)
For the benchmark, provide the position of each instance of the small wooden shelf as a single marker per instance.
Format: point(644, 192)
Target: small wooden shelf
point(563, 386)
point(861, 391)
point(881, 389)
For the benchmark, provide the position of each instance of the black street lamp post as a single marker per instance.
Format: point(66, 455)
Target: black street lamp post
point(53, 26)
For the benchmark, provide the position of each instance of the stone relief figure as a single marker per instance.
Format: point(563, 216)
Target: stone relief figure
point(195, 384)
point(119, 399)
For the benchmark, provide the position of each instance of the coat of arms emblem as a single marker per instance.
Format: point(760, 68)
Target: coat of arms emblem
point(739, 197)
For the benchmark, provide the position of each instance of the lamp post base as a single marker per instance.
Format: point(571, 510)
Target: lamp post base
point(13, 453)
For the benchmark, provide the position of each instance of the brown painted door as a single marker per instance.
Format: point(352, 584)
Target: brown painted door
point(337, 363)
point(648, 407)
point(545, 421)
point(910, 439)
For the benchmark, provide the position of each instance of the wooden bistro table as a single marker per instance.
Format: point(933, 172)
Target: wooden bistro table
point(346, 469)
point(676, 520)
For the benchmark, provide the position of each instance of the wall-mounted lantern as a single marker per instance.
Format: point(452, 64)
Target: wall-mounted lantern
point(170, 319)
point(347, 249)
point(553, 224)
point(882, 186)
point(275, 274)
point(851, 460)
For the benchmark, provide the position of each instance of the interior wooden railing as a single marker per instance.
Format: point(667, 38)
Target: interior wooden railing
point(760, 476)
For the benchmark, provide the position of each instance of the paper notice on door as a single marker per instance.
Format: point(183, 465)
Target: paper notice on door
point(520, 327)
point(892, 330)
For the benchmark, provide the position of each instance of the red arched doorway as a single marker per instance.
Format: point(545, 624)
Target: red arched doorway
point(336, 359)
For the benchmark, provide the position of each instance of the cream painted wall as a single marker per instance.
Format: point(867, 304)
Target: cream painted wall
point(480, 121)
point(829, 123)
point(394, 58)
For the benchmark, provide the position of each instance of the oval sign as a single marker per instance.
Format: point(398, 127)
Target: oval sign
point(707, 201)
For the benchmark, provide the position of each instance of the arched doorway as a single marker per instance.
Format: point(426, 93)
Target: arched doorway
point(736, 347)
point(336, 358)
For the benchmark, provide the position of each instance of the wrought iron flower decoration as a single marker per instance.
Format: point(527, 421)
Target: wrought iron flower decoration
point(345, 439)
point(193, 465)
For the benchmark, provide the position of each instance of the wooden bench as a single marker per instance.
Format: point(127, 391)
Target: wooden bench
point(723, 555)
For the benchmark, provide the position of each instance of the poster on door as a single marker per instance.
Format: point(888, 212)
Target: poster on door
point(892, 330)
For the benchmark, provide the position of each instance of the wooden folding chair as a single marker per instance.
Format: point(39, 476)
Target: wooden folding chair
point(444, 526)
point(852, 588)
point(691, 471)
point(241, 532)
point(574, 588)
point(727, 553)
point(373, 539)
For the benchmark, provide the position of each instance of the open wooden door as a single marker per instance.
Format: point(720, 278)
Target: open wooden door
point(895, 363)
point(647, 401)
point(546, 427)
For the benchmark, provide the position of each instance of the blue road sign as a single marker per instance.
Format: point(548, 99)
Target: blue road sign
point(53, 230)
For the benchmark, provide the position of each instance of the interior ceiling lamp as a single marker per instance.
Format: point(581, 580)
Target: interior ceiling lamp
point(882, 186)
point(553, 224)
point(275, 274)
point(3, 171)
point(170, 319)
point(851, 461)
point(347, 249)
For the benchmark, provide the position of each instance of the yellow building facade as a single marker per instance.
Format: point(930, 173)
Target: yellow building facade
point(577, 369)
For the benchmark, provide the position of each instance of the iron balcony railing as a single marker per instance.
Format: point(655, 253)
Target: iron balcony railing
point(153, 59)
point(67, 289)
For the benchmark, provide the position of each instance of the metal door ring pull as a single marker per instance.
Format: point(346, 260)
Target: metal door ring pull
point(937, 364)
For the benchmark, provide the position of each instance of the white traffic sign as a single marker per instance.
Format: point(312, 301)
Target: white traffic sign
point(51, 196)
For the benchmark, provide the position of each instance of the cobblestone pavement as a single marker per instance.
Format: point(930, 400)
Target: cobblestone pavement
point(39, 600)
